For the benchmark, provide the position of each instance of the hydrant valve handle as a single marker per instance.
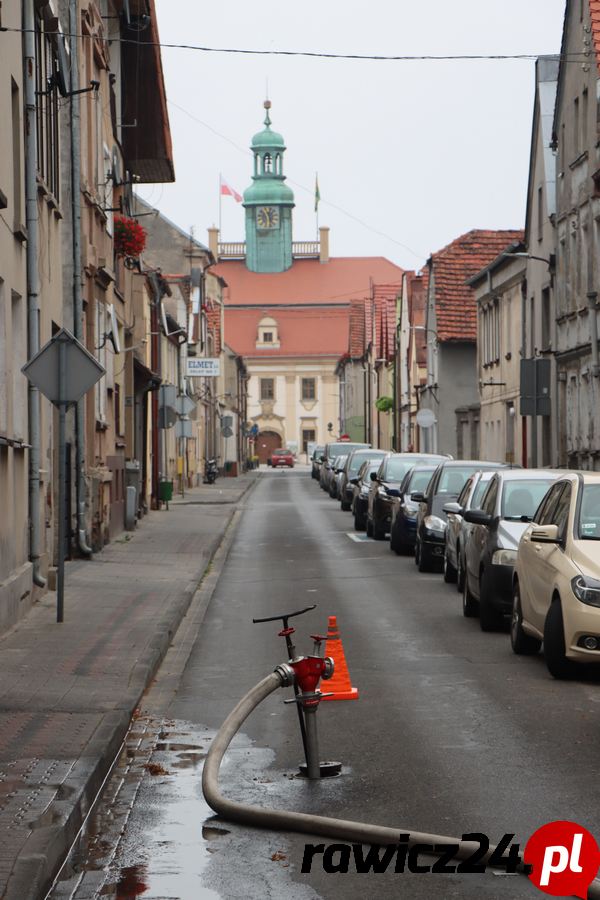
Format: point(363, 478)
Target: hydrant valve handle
point(285, 632)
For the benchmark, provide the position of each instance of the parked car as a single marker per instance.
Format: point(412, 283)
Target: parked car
point(282, 457)
point(385, 488)
point(353, 464)
point(556, 581)
point(336, 470)
point(361, 485)
point(446, 484)
point(508, 505)
point(332, 450)
point(458, 531)
point(315, 461)
point(404, 512)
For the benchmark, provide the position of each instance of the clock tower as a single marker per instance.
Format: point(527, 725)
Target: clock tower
point(268, 203)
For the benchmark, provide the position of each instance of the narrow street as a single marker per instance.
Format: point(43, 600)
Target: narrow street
point(452, 733)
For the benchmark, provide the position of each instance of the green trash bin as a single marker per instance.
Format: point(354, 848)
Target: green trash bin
point(165, 491)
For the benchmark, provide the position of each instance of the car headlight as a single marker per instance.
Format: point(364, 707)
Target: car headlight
point(383, 492)
point(586, 589)
point(504, 558)
point(434, 523)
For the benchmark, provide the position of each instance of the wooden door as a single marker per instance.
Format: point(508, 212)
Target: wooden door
point(266, 443)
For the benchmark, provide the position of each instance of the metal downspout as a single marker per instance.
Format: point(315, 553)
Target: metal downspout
point(33, 310)
point(80, 486)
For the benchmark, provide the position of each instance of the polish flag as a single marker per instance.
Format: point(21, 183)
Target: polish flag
point(228, 191)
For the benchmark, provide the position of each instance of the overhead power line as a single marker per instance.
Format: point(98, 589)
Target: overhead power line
point(576, 56)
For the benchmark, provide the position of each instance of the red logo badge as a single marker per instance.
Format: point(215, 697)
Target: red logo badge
point(564, 858)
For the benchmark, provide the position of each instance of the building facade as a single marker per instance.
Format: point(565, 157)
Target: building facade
point(287, 313)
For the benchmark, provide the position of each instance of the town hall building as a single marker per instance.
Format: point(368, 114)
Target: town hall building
point(287, 309)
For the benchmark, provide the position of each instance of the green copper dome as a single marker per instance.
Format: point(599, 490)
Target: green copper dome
point(268, 191)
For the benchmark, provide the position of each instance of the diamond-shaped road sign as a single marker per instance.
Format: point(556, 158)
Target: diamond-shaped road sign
point(185, 406)
point(82, 370)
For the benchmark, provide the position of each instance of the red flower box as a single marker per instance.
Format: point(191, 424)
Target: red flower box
point(129, 237)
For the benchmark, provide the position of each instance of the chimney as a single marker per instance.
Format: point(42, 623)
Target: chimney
point(213, 242)
point(324, 245)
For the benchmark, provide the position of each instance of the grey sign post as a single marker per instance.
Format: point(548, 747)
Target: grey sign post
point(63, 370)
point(535, 396)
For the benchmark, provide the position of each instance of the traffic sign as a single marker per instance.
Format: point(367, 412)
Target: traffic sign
point(227, 432)
point(81, 369)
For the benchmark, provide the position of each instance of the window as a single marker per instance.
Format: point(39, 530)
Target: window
point(46, 63)
point(544, 514)
point(267, 337)
point(488, 503)
point(540, 214)
point(576, 127)
point(267, 388)
point(309, 389)
point(16, 138)
point(268, 333)
point(584, 116)
point(561, 513)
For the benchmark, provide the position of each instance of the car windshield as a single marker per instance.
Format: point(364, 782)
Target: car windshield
point(588, 524)
point(339, 461)
point(317, 452)
point(396, 468)
point(343, 447)
point(453, 479)
point(359, 458)
point(372, 467)
point(419, 479)
point(521, 498)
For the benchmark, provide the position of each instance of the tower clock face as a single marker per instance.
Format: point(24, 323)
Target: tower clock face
point(267, 217)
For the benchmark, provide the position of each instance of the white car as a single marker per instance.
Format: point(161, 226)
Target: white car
point(556, 583)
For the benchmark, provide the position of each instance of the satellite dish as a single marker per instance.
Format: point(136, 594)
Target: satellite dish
point(425, 418)
point(112, 334)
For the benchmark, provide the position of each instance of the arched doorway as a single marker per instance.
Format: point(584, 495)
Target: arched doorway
point(266, 443)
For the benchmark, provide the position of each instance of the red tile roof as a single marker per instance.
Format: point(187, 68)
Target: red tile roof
point(307, 281)
point(301, 331)
point(449, 269)
point(357, 348)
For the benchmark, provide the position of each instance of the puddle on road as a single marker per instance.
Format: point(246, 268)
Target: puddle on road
point(153, 836)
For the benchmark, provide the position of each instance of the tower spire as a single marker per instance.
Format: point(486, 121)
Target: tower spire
point(267, 106)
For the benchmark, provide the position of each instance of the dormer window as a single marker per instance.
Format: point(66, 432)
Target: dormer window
point(268, 333)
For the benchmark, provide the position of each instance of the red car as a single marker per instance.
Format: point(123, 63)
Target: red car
point(282, 458)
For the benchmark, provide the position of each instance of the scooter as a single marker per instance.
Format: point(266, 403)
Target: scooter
point(211, 471)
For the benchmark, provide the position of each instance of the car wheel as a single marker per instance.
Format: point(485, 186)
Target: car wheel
point(469, 603)
point(425, 563)
point(490, 618)
point(554, 643)
point(359, 522)
point(417, 552)
point(379, 533)
point(369, 527)
point(521, 642)
point(449, 570)
point(395, 544)
point(345, 506)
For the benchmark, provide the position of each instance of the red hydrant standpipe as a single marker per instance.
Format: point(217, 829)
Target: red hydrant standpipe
point(308, 671)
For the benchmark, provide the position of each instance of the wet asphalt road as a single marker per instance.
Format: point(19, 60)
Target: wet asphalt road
point(452, 733)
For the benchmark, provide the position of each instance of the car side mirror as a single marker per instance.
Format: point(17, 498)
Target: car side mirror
point(354, 481)
point(393, 492)
point(453, 509)
point(478, 517)
point(322, 459)
point(373, 476)
point(545, 534)
point(417, 497)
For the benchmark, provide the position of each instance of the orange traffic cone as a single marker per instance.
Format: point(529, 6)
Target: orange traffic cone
point(340, 684)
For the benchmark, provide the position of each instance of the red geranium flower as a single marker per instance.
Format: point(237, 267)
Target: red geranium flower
point(129, 237)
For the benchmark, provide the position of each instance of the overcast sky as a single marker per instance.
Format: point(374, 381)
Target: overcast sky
point(418, 151)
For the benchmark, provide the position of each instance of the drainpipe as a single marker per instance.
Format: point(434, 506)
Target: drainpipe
point(77, 287)
point(33, 309)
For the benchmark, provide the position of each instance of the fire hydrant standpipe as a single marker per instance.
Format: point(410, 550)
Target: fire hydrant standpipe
point(304, 823)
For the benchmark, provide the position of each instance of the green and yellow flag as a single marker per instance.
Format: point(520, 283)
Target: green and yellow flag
point(317, 193)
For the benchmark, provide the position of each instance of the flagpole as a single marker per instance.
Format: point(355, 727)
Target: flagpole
point(317, 198)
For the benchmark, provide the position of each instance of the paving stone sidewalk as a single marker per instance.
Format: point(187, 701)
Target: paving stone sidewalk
point(67, 692)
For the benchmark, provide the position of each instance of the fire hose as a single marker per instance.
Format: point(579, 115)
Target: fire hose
point(304, 823)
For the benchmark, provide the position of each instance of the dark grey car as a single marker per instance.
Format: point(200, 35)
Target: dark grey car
point(458, 531)
point(351, 469)
point(508, 505)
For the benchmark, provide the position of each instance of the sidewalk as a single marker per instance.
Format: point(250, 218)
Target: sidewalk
point(67, 692)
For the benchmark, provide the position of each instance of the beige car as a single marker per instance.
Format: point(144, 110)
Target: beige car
point(556, 583)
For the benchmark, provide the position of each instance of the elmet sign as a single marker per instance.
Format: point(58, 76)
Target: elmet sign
point(203, 367)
